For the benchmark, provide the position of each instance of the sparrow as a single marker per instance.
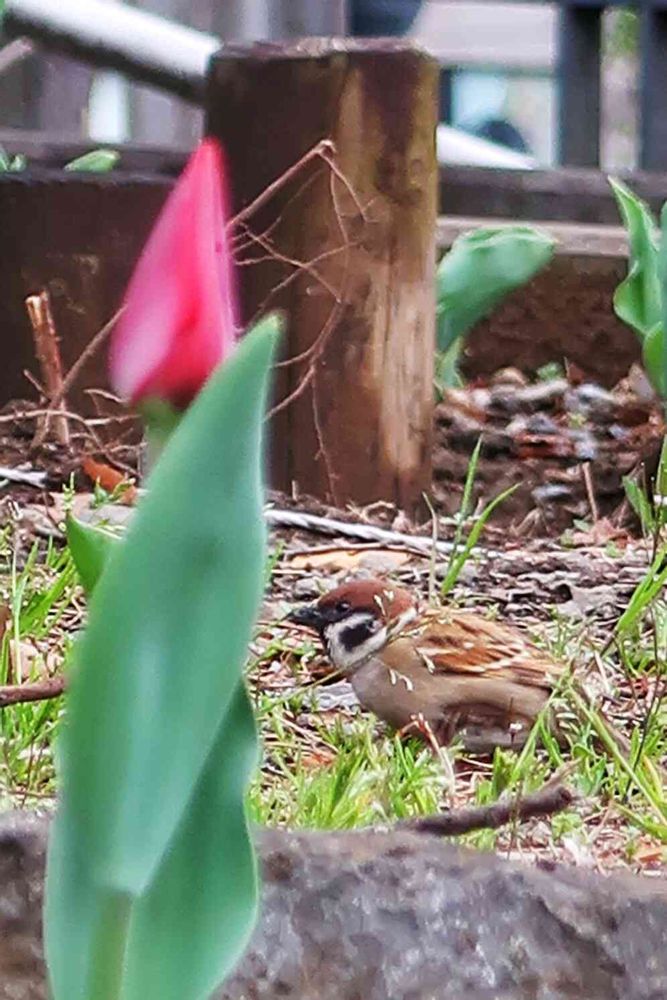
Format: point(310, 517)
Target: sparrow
point(449, 672)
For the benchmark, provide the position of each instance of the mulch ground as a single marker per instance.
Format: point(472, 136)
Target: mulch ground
point(565, 545)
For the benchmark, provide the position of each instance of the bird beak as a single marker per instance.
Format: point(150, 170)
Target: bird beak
point(308, 615)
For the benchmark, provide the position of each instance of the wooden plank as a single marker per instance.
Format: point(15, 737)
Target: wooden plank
point(79, 237)
point(50, 149)
point(566, 194)
point(572, 239)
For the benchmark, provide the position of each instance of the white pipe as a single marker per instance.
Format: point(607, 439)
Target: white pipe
point(154, 50)
point(114, 35)
point(456, 147)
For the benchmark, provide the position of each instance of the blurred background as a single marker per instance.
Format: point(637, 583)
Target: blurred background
point(499, 72)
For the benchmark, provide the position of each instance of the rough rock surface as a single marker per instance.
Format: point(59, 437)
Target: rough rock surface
point(395, 916)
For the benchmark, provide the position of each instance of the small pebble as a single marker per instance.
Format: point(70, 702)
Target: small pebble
point(509, 376)
point(530, 397)
point(308, 587)
point(550, 492)
point(590, 400)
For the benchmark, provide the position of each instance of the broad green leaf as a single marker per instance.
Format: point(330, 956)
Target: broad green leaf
point(637, 300)
point(447, 375)
point(11, 164)
point(97, 161)
point(168, 630)
point(18, 163)
point(90, 548)
point(481, 268)
point(653, 359)
point(184, 934)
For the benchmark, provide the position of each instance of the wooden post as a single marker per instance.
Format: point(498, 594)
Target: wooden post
point(359, 427)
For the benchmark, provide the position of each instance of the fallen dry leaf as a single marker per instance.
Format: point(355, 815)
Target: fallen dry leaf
point(317, 759)
point(600, 533)
point(650, 853)
point(109, 479)
point(337, 559)
point(543, 446)
point(29, 663)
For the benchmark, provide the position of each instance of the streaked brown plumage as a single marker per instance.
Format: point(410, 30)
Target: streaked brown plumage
point(458, 672)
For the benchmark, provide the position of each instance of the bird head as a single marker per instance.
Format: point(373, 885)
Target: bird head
point(357, 619)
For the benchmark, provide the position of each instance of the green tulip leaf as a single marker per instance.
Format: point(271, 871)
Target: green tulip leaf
point(208, 874)
point(182, 936)
point(481, 268)
point(90, 548)
point(150, 797)
point(638, 300)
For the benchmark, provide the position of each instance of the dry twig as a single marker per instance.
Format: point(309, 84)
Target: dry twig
point(325, 152)
point(321, 150)
point(550, 799)
point(50, 363)
point(18, 694)
point(87, 353)
point(590, 491)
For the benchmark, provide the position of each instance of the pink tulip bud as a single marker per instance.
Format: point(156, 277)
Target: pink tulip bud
point(180, 317)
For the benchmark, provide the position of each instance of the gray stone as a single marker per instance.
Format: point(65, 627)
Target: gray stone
point(22, 858)
point(591, 400)
point(396, 916)
point(529, 398)
point(307, 588)
point(330, 696)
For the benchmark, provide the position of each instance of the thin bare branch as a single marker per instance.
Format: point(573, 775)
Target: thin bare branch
point(17, 694)
point(91, 348)
point(545, 802)
point(318, 150)
point(47, 351)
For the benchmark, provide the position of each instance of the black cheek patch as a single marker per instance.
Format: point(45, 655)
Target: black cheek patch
point(356, 635)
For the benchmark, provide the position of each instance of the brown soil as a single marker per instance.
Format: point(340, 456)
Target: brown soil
point(563, 444)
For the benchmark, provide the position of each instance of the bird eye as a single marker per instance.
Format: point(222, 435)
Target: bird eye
point(343, 607)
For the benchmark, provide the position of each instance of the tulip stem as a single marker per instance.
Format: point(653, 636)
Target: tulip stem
point(109, 947)
point(160, 420)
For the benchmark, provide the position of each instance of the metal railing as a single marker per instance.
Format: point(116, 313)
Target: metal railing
point(580, 84)
point(156, 51)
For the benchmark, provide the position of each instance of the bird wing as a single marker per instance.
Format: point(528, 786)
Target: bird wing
point(455, 642)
